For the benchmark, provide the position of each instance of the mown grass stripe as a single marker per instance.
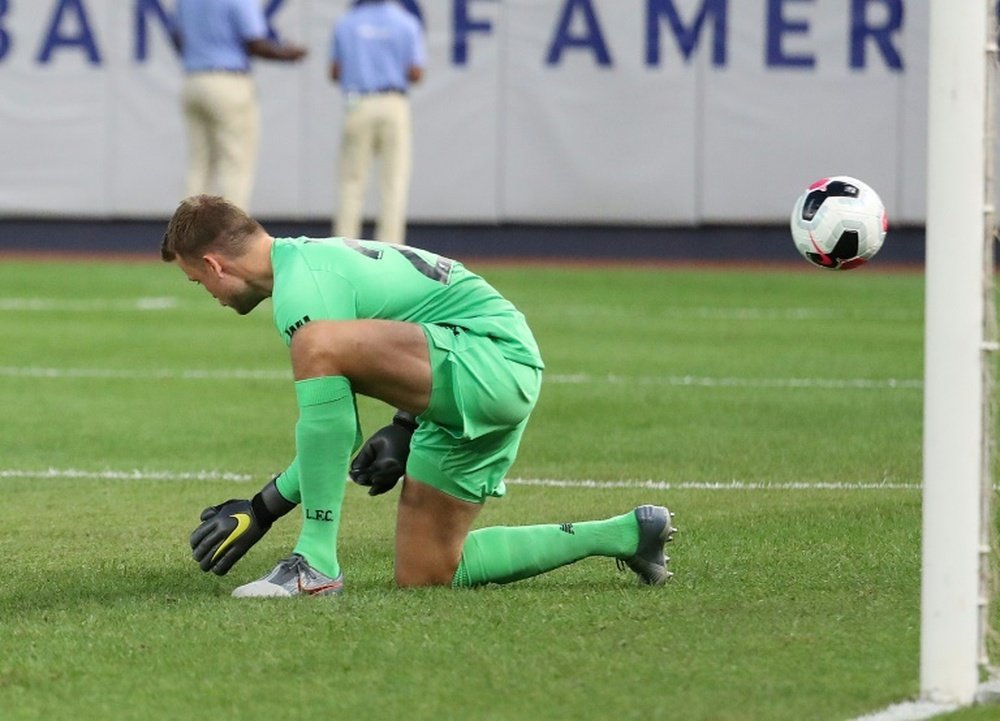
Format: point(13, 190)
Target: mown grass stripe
point(711, 313)
point(557, 378)
point(217, 475)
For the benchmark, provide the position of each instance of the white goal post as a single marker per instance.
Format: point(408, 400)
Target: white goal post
point(959, 341)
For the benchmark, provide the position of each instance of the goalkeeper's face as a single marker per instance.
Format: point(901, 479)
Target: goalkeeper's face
point(230, 290)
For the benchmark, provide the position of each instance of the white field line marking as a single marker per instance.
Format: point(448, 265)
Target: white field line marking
point(152, 374)
point(87, 306)
point(910, 711)
point(746, 313)
point(557, 378)
point(216, 475)
point(715, 485)
point(708, 382)
point(783, 314)
point(133, 475)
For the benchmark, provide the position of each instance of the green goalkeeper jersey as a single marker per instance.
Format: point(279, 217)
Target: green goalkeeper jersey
point(341, 279)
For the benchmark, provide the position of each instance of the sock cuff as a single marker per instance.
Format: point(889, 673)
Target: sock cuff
point(287, 482)
point(461, 578)
point(463, 574)
point(324, 389)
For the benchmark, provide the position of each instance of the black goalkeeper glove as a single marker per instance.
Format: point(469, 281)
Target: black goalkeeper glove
point(381, 462)
point(230, 529)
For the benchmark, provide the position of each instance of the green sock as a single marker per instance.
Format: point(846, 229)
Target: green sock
point(288, 483)
point(324, 437)
point(502, 554)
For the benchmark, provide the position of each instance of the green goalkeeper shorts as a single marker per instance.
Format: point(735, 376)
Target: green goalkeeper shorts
point(480, 402)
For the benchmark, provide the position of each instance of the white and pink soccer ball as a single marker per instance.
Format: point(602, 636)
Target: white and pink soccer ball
point(839, 223)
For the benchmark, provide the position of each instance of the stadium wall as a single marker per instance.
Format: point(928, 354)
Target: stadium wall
point(632, 112)
point(562, 244)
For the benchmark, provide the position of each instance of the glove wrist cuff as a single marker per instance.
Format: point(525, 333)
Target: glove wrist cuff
point(269, 505)
point(261, 514)
point(405, 420)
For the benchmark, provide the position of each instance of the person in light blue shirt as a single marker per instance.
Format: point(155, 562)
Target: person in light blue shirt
point(216, 39)
point(376, 53)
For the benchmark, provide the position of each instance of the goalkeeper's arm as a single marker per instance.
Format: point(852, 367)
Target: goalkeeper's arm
point(228, 530)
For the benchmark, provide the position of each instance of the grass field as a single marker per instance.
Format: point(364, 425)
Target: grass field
point(778, 413)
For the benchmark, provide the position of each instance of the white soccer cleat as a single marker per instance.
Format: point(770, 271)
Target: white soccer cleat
point(293, 576)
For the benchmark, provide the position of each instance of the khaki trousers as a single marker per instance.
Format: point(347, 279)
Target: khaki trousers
point(222, 117)
point(377, 124)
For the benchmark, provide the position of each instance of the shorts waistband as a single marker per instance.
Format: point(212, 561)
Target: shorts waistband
point(227, 71)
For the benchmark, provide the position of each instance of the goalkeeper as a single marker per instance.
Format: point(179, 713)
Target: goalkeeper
point(426, 336)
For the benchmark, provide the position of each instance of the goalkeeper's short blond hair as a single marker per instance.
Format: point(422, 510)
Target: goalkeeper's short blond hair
point(205, 223)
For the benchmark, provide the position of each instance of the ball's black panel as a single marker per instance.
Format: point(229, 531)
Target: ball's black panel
point(845, 249)
point(833, 189)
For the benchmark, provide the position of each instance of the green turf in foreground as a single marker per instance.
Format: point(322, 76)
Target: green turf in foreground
point(787, 604)
point(975, 713)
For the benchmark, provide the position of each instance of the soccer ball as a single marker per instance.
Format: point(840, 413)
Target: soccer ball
point(839, 223)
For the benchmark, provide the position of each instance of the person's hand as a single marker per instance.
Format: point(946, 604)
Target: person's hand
point(295, 52)
point(226, 533)
point(274, 50)
point(381, 462)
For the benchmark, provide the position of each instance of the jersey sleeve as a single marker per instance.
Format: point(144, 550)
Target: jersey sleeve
point(418, 51)
point(248, 17)
point(303, 294)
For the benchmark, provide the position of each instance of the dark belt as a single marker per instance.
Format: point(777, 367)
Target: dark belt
point(231, 71)
point(385, 91)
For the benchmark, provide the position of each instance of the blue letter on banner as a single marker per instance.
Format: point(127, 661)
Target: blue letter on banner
point(687, 38)
point(464, 25)
point(413, 8)
point(4, 36)
point(591, 39)
point(270, 9)
point(777, 26)
point(84, 38)
point(142, 9)
point(860, 29)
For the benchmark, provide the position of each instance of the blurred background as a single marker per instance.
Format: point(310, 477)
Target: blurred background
point(604, 128)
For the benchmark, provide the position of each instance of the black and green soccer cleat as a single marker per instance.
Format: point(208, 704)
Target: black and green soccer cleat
point(649, 562)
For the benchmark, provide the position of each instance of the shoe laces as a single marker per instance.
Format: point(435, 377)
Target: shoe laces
point(294, 563)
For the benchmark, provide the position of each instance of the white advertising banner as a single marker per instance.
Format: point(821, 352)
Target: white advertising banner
point(581, 111)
